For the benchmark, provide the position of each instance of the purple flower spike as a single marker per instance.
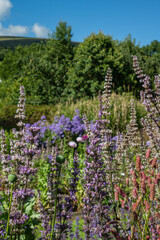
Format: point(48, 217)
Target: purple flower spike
point(43, 118)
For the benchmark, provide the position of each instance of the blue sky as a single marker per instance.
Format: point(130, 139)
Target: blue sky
point(118, 18)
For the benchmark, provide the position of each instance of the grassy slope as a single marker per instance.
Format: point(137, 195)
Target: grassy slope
point(12, 42)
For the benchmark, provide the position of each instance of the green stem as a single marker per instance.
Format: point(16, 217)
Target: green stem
point(114, 204)
point(10, 202)
point(146, 226)
point(54, 217)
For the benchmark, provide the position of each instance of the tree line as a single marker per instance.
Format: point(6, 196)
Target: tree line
point(58, 70)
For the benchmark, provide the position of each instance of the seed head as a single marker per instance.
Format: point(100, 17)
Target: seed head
point(12, 178)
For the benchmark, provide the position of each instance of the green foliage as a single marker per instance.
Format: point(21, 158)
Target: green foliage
point(152, 65)
point(129, 48)
point(43, 171)
point(54, 71)
point(33, 219)
point(63, 33)
point(151, 59)
point(78, 226)
point(3, 51)
point(40, 68)
point(151, 49)
point(33, 114)
point(59, 54)
point(91, 61)
point(19, 67)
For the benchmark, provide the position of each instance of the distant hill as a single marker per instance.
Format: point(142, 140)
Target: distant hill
point(12, 41)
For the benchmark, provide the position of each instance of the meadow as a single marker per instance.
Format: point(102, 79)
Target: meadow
point(89, 175)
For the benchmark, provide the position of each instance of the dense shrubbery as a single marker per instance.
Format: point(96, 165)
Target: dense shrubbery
point(50, 171)
point(33, 114)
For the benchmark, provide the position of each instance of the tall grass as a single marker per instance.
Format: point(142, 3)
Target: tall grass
point(120, 111)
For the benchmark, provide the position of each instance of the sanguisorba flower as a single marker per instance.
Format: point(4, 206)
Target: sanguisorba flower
point(148, 153)
point(138, 163)
point(152, 191)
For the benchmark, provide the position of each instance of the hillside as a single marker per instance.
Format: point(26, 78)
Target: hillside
point(12, 42)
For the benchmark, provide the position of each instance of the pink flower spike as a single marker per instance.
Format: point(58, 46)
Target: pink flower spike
point(138, 163)
point(148, 153)
point(127, 181)
point(134, 193)
point(158, 229)
point(123, 203)
point(116, 194)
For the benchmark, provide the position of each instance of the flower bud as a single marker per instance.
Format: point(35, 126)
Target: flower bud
point(84, 137)
point(60, 159)
point(72, 144)
point(79, 139)
point(12, 178)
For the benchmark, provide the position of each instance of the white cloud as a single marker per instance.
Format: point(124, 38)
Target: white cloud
point(5, 6)
point(12, 30)
point(40, 31)
point(18, 30)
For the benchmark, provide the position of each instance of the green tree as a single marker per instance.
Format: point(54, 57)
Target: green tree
point(59, 53)
point(3, 51)
point(152, 48)
point(151, 66)
point(63, 33)
point(151, 55)
point(22, 67)
point(129, 48)
point(91, 61)
point(40, 68)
